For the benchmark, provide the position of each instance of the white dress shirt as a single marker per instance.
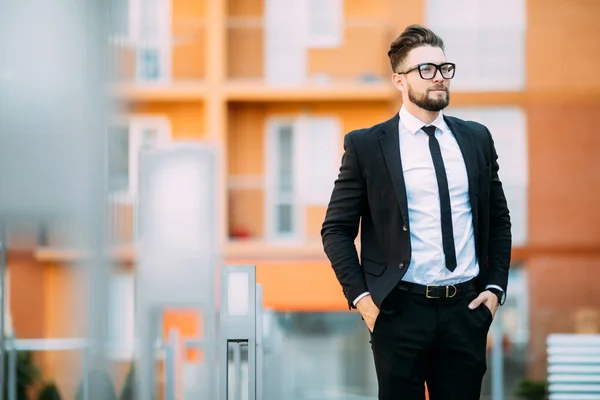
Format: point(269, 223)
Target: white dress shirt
point(428, 264)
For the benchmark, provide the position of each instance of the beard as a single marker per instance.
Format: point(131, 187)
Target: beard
point(425, 102)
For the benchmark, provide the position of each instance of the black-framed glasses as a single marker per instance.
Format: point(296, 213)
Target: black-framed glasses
point(429, 70)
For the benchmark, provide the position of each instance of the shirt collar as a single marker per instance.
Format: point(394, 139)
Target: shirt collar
point(413, 124)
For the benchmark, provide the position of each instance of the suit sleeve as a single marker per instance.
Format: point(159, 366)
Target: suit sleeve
point(341, 224)
point(500, 242)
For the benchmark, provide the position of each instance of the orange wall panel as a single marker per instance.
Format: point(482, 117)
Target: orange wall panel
point(27, 295)
point(361, 9)
point(245, 140)
point(298, 285)
point(66, 310)
point(245, 8)
point(245, 52)
point(189, 34)
point(245, 43)
point(314, 219)
point(189, 324)
point(188, 119)
point(564, 171)
point(188, 9)
point(562, 45)
point(246, 213)
point(362, 52)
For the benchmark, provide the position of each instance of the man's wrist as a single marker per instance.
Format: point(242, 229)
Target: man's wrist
point(498, 291)
point(365, 294)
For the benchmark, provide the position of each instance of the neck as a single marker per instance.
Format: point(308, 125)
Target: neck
point(426, 116)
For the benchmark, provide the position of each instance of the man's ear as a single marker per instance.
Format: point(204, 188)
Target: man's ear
point(399, 82)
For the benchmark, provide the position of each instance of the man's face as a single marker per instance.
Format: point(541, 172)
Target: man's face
point(429, 94)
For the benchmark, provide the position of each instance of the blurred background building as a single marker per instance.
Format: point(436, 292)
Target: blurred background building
point(273, 85)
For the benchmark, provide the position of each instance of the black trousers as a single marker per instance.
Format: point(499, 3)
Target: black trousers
point(438, 341)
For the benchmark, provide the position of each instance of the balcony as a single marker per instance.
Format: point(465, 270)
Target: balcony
point(267, 61)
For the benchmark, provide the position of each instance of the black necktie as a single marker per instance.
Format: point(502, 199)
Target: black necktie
point(446, 210)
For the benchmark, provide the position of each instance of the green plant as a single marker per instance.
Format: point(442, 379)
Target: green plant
point(50, 392)
point(532, 390)
point(27, 373)
point(127, 391)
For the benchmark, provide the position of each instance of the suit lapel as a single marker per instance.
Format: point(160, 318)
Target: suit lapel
point(467, 148)
point(390, 146)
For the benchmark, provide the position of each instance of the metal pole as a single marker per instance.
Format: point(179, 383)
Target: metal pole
point(237, 368)
point(260, 350)
point(497, 361)
point(2, 303)
point(85, 374)
point(12, 371)
point(170, 364)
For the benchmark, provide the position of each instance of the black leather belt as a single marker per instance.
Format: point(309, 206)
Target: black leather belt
point(438, 291)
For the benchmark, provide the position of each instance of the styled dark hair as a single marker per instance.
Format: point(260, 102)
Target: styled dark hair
point(413, 36)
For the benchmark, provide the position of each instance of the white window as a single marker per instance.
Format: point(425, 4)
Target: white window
point(508, 127)
point(285, 48)
point(486, 40)
point(283, 211)
point(126, 138)
point(153, 63)
point(294, 26)
point(325, 21)
point(121, 315)
point(144, 25)
point(302, 160)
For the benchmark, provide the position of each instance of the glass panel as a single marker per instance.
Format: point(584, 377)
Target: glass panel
point(149, 138)
point(331, 357)
point(285, 222)
point(120, 315)
point(150, 64)
point(119, 10)
point(285, 180)
point(118, 159)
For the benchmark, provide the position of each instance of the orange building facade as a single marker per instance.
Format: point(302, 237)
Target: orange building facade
point(216, 91)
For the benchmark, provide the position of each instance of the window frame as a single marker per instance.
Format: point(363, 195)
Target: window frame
point(136, 125)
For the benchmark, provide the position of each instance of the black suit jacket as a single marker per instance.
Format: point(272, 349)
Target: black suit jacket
point(370, 191)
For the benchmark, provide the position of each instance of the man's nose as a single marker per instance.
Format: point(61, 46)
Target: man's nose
point(438, 76)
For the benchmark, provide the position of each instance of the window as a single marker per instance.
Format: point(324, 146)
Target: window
point(325, 23)
point(294, 26)
point(509, 131)
point(283, 211)
point(154, 46)
point(121, 315)
point(145, 26)
point(486, 40)
point(285, 53)
point(126, 138)
point(302, 160)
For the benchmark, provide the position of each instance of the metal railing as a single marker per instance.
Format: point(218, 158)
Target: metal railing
point(240, 331)
point(573, 367)
point(13, 345)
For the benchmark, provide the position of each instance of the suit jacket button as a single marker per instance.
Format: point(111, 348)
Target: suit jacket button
point(404, 228)
point(401, 266)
